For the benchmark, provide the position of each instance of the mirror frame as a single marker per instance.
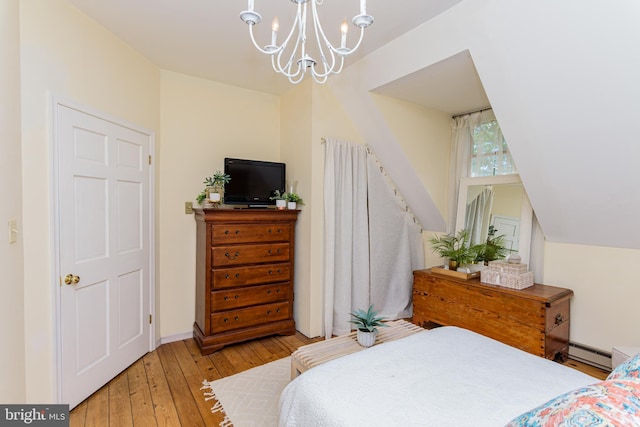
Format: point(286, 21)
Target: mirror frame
point(526, 212)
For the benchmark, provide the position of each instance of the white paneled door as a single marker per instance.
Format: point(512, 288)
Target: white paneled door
point(104, 249)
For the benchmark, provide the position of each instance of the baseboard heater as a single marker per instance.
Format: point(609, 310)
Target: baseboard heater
point(590, 356)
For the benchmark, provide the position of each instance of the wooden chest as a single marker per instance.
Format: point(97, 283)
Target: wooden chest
point(244, 275)
point(535, 319)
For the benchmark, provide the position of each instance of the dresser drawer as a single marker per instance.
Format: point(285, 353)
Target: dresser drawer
point(223, 278)
point(249, 254)
point(236, 298)
point(236, 319)
point(248, 233)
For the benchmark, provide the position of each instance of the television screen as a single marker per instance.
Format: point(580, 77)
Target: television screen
point(253, 182)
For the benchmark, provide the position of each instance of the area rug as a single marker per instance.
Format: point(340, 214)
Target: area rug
point(250, 398)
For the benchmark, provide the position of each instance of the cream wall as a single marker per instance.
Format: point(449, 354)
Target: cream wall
point(310, 112)
point(604, 308)
point(65, 54)
point(202, 123)
point(12, 355)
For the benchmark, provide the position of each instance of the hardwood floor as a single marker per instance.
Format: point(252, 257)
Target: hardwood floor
point(163, 387)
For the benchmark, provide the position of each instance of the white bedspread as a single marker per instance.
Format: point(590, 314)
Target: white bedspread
point(444, 377)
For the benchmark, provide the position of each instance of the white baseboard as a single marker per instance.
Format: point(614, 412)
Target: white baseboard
point(589, 355)
point(176, 337)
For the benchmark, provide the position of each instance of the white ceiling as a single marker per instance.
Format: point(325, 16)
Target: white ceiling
point(206, 38)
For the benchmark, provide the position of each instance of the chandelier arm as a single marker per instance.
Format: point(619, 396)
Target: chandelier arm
point(330, 71)
point(321, 39)
point(288, 75)
point(277, 64)
point(255, 43)
point(346, 52)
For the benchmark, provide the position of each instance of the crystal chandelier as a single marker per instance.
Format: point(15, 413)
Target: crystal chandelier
point(296, 61)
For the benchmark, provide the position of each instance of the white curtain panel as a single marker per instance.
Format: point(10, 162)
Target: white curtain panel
point(346, 234)
point(372, 243)
point(477, 216)
point(396, 247)
point(461, 143)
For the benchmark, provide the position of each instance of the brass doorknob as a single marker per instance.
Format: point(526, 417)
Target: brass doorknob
point(71, 279)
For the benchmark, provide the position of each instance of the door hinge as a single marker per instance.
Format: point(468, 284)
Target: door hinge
point(149, 158)
point(150, 318)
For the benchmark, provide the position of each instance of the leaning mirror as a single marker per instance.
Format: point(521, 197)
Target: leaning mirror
point(499, 205)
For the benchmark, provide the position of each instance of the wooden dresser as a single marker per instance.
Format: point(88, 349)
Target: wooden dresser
point(244, 275)
point(535, 319)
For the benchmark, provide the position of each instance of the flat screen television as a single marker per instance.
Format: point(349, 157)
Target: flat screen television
point(253, 182)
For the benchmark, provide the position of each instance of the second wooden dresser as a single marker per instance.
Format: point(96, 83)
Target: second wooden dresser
point(535, 319)
point(244, 275)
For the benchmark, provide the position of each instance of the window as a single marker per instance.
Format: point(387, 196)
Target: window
point(490, 154)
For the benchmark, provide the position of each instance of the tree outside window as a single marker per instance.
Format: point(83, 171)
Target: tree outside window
point(490, 154)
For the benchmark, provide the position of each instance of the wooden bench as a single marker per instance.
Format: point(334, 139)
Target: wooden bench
point(308, 356)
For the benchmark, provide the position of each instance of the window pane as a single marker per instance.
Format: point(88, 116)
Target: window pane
point(490, 153)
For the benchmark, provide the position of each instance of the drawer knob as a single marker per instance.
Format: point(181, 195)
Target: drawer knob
point(269, 292)
point(237, 296)
point(559, 319)
point(278, 290)
point(279, 230)
point(226, 276)
point(226, 298)
point(226, 319)
point(236, 318)
point(234, 256)
point(226, 231)
point(277, 310)
point(279, 270)
point(237, 275)
point(268, 311)
point(270, 272)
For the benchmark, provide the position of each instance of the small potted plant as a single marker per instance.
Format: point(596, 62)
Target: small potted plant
point(215, 186)
point(494, 248)
point(456, 248)
point(367, 323)
point(293, 200)
point(280, 198)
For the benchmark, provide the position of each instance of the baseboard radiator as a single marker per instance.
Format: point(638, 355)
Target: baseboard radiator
point(590, 356)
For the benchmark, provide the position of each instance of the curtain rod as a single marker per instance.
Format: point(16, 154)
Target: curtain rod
point(471, 112)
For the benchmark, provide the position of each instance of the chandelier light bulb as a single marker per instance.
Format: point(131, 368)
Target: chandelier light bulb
point(297, 61)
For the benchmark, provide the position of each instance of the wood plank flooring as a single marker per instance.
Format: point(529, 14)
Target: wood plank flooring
point(163, 387)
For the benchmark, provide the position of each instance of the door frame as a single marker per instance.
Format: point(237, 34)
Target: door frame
point(56, 279)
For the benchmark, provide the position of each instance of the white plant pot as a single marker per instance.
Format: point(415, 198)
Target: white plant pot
point(281, 204)
point(366, 339)
point(291, 205)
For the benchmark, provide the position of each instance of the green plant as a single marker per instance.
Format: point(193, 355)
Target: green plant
point(456, 248)
point(494, 248)
point(200, 197)
point(218, 179)
point(293, 197)
point(278, 196)
point(366, 321)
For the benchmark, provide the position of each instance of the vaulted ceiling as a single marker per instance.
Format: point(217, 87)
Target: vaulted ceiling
point(561, 78)
point(206, 38)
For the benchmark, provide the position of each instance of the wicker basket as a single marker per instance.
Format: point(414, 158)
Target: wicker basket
point(514, 276)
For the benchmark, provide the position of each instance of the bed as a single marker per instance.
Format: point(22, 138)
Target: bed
point(446, 377)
